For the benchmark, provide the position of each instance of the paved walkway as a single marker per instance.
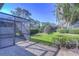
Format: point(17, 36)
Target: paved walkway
point(68, 52)
point(29, 48)
point(44, 50)
point(38, 49)
point(15, 51)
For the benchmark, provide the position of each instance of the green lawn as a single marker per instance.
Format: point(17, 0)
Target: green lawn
point(43, 38)
point(56, 36)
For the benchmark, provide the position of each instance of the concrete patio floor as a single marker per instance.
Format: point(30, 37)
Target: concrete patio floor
point(44, 50)
point(68, 52)
point(14, 51)
point(29, 48)
point(38, 49)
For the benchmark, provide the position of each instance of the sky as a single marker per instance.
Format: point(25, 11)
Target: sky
point(44, 12)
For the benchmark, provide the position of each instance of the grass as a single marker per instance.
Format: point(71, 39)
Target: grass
point(48, 39)
point(43, 38)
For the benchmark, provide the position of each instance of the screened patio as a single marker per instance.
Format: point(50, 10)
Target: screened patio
point(12, 29)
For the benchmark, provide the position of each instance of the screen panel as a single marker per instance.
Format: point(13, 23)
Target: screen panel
point(6, 34)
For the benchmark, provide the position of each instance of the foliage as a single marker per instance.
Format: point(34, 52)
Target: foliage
point(74, 31)
point(34, 24)
point(25, 14)
point(67, 13)
point(34, 31)
point(42, 38)
point(63, 30)
point(71, 31)
point(55, 38)
point(64, 39)
point(18, 33)
point(21, 12)
point(47, 27)
point(43, 25)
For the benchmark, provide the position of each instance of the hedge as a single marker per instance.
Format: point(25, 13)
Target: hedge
point(34, 31)
point(63, 30)
point(71, 31)
point(65, 38)
point(74, 31)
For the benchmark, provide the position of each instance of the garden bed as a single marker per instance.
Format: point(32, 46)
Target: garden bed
point(57, 38)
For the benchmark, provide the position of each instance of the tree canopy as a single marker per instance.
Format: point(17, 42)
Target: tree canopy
point(67, 13)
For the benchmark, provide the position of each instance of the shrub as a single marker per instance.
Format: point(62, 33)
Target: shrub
point(66, 39)
point(59, 39)
point(34, 31)
point(71, 31)
point(18, 34)
point(74, 31)
point(63, 30)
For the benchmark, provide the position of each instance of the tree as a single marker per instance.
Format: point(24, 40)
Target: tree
point(21, 13)
point(17, 12)
point(63, 13)
point(75, 13)
point(67, 13)
point(48, 29)
point(26, 14)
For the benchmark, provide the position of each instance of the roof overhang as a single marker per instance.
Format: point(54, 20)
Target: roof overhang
point(1, 5)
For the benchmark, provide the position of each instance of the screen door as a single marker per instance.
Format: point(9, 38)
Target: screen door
point(7, 34)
